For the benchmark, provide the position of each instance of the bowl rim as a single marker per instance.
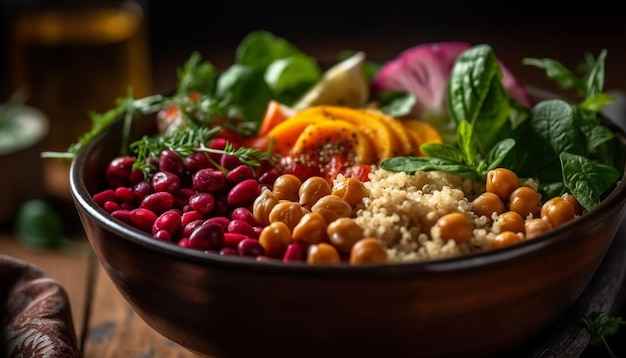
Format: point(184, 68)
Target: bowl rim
point(81, 196)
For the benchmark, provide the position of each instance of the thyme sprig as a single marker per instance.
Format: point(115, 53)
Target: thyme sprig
point(188, 140)
point(601, 326)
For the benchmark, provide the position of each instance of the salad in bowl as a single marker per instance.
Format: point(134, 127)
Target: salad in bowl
point(356, 209)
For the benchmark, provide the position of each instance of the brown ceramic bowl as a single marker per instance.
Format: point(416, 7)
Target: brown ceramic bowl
point(482, 305)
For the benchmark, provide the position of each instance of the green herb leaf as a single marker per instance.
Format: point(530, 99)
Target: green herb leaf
point(587, 179)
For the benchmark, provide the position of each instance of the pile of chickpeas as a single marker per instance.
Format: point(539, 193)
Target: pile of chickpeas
point(312, 221)
point(518, 210)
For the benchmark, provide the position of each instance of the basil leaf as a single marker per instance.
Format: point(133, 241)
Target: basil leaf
point(595, 77)
point(260, 48)
point(555, 122)
point(587, 180)
point(565, 78)
point(443, 151)
point(595, 133)
point(498, 152)
point(476, 94)
point(290, 77)
point(414, 164)
point(467, 142)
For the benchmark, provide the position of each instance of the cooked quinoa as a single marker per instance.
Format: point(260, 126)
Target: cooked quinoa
point(402, 210)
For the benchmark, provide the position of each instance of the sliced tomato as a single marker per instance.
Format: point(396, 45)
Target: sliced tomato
point(302, 167)
point(359, 171)
point(275, 113)
point(335, 166)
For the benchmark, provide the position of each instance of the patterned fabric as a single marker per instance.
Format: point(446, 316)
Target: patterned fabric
point(35, 315)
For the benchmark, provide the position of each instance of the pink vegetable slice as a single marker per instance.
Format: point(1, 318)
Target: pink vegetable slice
point(424, 70)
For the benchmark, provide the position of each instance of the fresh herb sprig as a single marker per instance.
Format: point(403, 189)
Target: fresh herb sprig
point(563, 145)
point(601, 326)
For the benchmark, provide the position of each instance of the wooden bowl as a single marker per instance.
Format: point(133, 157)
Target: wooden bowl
point(482, 305)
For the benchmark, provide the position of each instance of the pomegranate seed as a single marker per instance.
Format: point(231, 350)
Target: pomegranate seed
point(163, 235)
point(111, 206)
point(190, 216)
point(183, 242)
point(209, 181)
point(142, 189)
point(222, 221)
point(189, 228)
point(171, 162)
point(197, 161)
point(165, 181)
point(268, 178)
point(230, 162)
point(118, 171)
point(202, 202)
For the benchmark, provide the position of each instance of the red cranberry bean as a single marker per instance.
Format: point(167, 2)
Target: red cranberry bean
point(221, 206)
point(142, 189)
point(217, 144)
point(104, 196)
point(269, 177)
point(250, 247)
point(111, 206)
point(230, 162)
point(222, 221)
point(122, 215)
point(124, 194)
point(241, 227)
point(118, 171)
point(183, 242)
point(143, 219)
point(244, 214)
point(171, 162)
point(165, 181)
point(184, 194)
point(239, 173)
point(136, 176)
point(128, 205)
point(158, 202)
point(293, 253)
point(189, 216)
point(232, 239)
point(168, 221)
point(244, 193)
point(189, 227)
point(264, 258)
point(197, 161)
point(257, 230)
point(229, 251)
point(207, 237)
point(209, 181)
point(163, 235)
point(202, 202)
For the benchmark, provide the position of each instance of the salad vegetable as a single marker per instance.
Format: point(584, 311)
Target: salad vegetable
point(255, 102)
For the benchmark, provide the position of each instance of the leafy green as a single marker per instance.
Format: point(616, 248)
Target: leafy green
point(564, 145)
point(601, 326)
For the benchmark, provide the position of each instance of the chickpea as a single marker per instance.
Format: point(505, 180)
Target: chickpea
point(288, 212)
point(557, 211)
point(537, 227)
point(368, 251)
point(332, 207)
point(351, 190)
point(275, 238)
point(486, 204)
point(578, 209)
point(455, 226)
point(262, 207)
point(311, 229)
point(312, 190)
point(343, 233)
point(502, 182)
point(525, 201)
point(322, 253)
point(286, 187)
point(506, 238)
point(511, 221)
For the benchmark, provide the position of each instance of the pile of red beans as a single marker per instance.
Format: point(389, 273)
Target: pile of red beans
point(202, 201)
